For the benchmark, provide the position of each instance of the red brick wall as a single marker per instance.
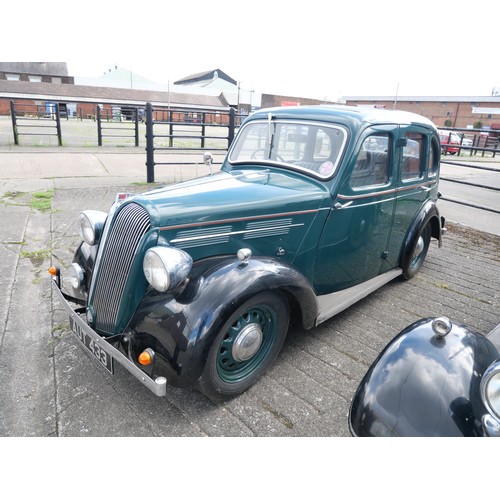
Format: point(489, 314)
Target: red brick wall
point(459, 113)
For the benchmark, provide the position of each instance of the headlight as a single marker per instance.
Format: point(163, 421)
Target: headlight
point(490, 389)
point(166, 267)
point(91, 225)
point(76, 276)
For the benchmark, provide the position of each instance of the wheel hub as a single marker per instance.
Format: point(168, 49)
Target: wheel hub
point(247, 343)
point(418, 247)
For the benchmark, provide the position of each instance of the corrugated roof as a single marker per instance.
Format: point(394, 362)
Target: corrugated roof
point(84, 93)
point(125, 76)
point(35, 68)
point(205, 76)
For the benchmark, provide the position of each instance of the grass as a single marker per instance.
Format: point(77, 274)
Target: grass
point(13, 194)
point(37, 257)
point(42, 200)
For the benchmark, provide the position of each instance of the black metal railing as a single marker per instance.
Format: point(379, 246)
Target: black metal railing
point(177, 129)
point(32, 119)
point(118, 122)
point(484, 141)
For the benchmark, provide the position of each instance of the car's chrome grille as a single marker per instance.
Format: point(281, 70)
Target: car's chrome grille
point(129, 226)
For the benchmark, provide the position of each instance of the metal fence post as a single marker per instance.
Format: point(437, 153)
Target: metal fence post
point(99, 129)
point(136, 127)
point(203, 122)
point(14, 123)
point(170, 128)
point(58, 125)
point(232, 120)
point(150, 152)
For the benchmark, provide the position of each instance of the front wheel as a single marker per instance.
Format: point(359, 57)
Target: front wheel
point(419, 249)
point(246, 346)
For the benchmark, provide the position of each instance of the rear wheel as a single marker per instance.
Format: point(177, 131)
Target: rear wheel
point(246, 346)
point(418, 252)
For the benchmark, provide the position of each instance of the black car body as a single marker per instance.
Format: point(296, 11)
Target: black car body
point(435, 378)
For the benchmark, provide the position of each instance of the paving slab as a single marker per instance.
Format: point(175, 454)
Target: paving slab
point(49, 387)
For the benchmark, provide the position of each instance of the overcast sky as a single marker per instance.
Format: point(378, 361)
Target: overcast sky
point(310, 48)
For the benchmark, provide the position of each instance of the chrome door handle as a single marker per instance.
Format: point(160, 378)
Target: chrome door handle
point(339, 205)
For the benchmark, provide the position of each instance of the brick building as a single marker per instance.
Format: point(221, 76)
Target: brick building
point(456, 112)
point(39, 83)
point(271, 101)
point(36, 72)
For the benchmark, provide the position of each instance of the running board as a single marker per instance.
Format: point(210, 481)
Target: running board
point(333, 303)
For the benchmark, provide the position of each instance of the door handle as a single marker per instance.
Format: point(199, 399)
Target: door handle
point(339, 205)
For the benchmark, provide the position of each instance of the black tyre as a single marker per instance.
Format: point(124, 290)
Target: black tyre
point(418, 252)
point(246, 346)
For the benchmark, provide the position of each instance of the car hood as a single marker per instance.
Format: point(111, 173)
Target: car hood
point(233, 208)
point(230, 195)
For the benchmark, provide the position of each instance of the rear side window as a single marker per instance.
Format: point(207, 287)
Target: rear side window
point(433, 163)
point(413, 155)
point(372, 165)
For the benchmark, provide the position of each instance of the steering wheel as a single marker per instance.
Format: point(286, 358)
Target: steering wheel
point(263, 150)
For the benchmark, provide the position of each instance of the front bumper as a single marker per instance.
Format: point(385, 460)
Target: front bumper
point(80, 328)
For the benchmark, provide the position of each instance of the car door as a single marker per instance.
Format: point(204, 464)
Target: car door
point(415, 181)
point(352, 248)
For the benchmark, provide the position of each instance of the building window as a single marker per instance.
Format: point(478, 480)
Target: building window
point(35, 79)
point(56, 79)
point(12, 78)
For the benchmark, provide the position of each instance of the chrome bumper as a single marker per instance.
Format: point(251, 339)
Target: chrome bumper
point(157, 386)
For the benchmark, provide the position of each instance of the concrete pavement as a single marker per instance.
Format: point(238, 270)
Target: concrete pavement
point(49, 387)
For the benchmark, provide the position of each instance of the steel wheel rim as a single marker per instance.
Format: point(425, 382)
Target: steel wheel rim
point(232, 370)
point(419, 250)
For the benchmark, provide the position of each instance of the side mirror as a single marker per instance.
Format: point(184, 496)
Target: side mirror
point(208, 158)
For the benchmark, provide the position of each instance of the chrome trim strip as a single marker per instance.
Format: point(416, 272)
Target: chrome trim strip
point(158, 386)
point(333, 303)
point(243, 219)
point(269, 232)
point(387, 191)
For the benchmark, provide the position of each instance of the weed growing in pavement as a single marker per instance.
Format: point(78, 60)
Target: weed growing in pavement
point(42, 200)
point(37, 257)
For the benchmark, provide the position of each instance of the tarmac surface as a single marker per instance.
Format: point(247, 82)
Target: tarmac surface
point(49, 387)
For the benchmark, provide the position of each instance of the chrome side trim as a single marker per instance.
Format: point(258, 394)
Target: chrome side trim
point(333, 303)
point(158, 386)
point(212, 236)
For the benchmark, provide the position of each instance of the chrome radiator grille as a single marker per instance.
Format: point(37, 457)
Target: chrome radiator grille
point(130, 225)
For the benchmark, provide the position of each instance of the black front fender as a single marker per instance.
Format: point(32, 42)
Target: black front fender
point(181, 327)
point(424, 385)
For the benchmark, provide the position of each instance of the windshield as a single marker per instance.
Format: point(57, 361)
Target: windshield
point(311, 147)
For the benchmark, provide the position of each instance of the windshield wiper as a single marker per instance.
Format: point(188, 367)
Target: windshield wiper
point(270, 133)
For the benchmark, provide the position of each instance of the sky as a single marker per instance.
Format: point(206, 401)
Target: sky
point(310, 48)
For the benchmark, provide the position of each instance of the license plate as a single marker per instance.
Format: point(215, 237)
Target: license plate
point(93, 346)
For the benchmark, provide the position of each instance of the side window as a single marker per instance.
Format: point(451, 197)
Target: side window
point(372, 166)
point(433, 163)
point(413, 154)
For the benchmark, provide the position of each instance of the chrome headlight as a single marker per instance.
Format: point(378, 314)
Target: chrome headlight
point(91, 226)
point(166, 267)
point(490, 389)
point(76, 276)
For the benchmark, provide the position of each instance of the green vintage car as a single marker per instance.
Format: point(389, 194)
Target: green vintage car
point(314, 208)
